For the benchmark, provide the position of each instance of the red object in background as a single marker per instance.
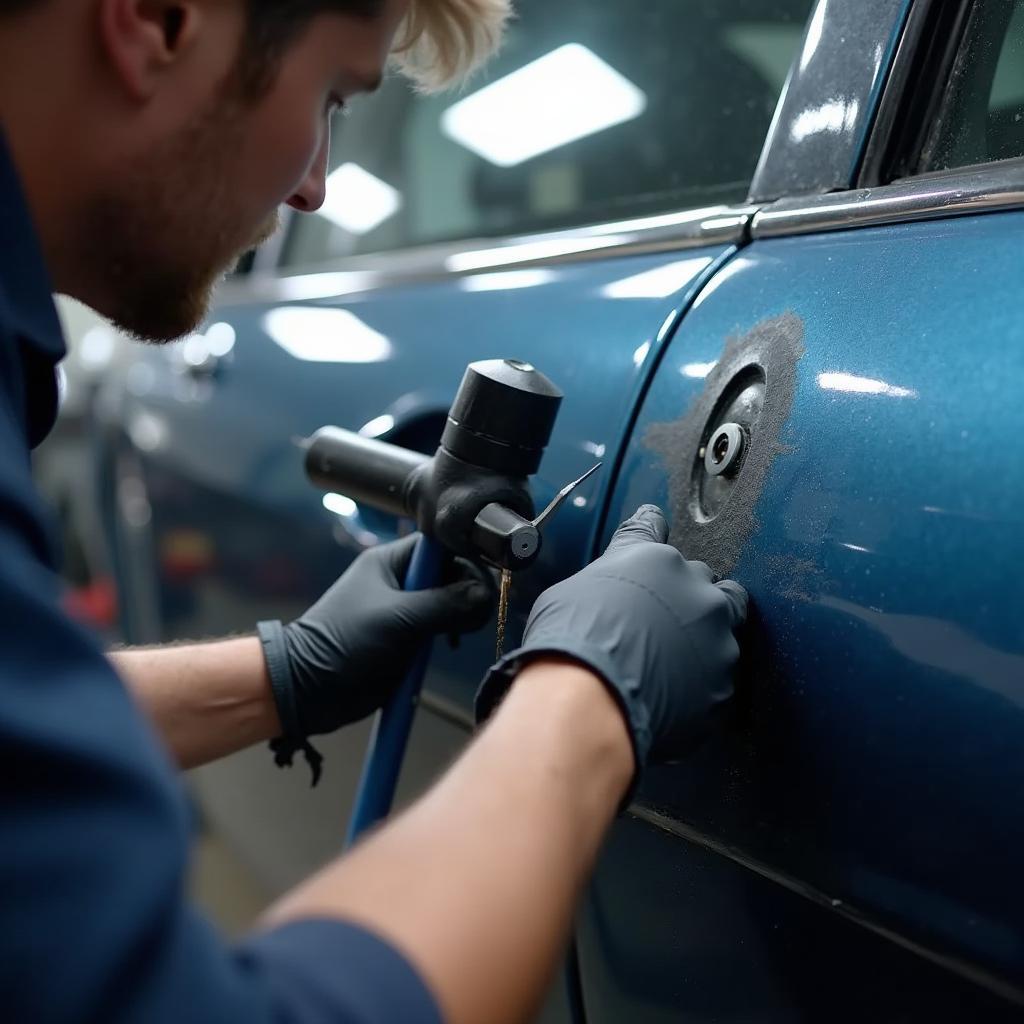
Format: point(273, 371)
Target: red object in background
point(186, 554)
point(95, 604)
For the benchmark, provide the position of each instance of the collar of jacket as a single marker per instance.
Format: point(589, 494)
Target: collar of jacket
point(27, 310)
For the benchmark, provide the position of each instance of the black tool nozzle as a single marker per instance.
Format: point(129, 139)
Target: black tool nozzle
point(502, 417)
point(472, 495)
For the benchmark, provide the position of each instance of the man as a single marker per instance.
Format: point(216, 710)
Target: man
point(143, 143)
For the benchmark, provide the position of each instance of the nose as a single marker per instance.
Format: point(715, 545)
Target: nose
point(310, 194)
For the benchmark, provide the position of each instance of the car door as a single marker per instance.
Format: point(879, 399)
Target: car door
point(849, 848)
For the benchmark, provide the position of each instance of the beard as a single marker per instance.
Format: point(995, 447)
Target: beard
point(160, 238)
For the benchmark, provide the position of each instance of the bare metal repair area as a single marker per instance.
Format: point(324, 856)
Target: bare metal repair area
point(771, 351)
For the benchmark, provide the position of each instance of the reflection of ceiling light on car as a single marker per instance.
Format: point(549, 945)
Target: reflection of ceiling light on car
point(525, 252)
point(697, 370)
point(377, 426)
point(835, 117)
point(325, 335)
point(659, 283)
point(357, 201)
point(340, 504)
point(854, 385)
point(561, 97)
point(508, 279)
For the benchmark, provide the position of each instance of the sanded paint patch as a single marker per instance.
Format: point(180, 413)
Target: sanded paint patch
point(776, 346)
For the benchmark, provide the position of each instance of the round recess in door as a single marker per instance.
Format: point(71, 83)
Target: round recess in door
point(729, 432)
point(752, 384)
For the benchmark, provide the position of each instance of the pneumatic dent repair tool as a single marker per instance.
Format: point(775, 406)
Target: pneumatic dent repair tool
point(470, 499)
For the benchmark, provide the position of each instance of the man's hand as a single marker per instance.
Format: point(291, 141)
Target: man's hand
point(651, 625)
point(345, 656)
point(481, 909)
point(335, 664)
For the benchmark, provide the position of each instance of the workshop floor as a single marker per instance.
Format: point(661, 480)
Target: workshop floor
point(223, 886)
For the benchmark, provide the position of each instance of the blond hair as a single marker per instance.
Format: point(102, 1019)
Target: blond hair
point(441, 42)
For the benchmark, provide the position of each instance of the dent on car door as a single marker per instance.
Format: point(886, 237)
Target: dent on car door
point(853, 837)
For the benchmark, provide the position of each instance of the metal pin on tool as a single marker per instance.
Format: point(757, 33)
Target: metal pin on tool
point(503, 595)
point(506, 575)
point(564, 493)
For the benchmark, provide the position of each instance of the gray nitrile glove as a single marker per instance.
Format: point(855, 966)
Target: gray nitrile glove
point(345, 657)
point(651, 624)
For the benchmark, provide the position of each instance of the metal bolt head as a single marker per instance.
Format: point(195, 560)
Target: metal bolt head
point(724, 450)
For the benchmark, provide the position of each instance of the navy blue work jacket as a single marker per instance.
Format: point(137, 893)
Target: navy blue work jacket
point(94, 922)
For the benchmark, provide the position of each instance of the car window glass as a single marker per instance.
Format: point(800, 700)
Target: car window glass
point(982, 117)
point(592, 111)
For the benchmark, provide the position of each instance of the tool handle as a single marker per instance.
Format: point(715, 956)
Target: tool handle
point(371, 472)
point(394, 721)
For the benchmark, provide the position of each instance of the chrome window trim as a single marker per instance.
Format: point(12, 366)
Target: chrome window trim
point(982, 189)
point(681, 230)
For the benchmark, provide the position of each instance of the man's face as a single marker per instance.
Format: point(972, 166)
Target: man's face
point(172, 220)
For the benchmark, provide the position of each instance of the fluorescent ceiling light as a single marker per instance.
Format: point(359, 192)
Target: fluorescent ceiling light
point(321, 335)
point(659, 283)
point(357, 201)
point(561, 97)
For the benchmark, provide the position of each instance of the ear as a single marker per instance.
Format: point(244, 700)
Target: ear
point(143, 39)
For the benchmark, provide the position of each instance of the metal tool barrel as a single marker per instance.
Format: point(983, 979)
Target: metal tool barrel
point(368, 471)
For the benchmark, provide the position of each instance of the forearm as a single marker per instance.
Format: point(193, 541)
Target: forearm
point(206, 700)
point(476, 883)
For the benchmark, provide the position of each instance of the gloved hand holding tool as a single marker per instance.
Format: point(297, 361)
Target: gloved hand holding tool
point(345, 657)
point(470, 499)
point(650, 624)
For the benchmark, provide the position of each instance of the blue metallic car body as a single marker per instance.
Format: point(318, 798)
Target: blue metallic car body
point(883, 723)
point(847, 848)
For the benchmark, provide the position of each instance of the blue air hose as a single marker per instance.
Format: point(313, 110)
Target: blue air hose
point(394, 722)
